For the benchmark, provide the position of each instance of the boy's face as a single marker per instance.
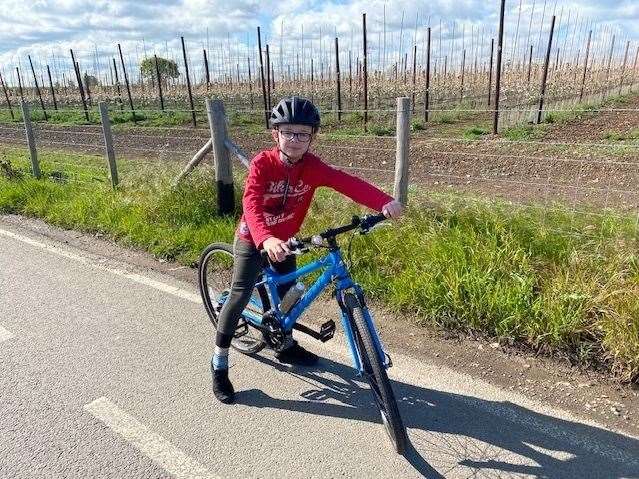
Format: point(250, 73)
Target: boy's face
point(293, 139)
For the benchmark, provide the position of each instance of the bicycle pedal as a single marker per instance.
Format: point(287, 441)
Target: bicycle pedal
point(389, 361)
point(327, 330)
point(241, 329)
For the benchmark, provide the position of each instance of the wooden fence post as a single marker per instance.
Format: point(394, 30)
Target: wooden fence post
point(223, 166)
point(26, 116)
point(400, 190)
point(108, 143)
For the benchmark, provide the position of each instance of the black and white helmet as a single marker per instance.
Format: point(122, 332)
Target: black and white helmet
point(295, 110)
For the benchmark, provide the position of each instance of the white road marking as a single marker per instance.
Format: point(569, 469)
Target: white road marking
point(436, 377)
point(154, 446)
point(180, 293)
point(5, 334)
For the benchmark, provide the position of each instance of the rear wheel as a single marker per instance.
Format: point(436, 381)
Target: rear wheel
point(215, 275)
point(376, 376)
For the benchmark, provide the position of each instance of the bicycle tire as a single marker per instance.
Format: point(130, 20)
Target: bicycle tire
point(215, 273)
point(375, 374)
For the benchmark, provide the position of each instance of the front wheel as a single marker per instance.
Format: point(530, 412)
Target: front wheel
point(376, 376)
point(215, 276)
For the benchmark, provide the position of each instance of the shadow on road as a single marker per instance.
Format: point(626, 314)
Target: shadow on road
point(450, 432)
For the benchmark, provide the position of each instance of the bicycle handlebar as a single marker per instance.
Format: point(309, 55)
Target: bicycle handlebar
point(364, 223)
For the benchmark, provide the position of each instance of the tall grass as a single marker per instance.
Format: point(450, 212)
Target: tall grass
point(555, 280)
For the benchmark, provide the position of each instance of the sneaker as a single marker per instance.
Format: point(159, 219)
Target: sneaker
point(297, 355)
point(222, 387)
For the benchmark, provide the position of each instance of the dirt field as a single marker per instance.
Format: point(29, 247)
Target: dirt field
point(585, 162)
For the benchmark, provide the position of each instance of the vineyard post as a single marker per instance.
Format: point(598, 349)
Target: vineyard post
point(350, 77)
point(337, 78)
point(365, 74)
point(108, 143)
point(88, 87)
point(126, 81)
point(634, 69)
point(414, 77)
point(623, 67)
point(259, 46)
point(55, 103)
point(117, 84)
point(223, 166)
point(312, 80)
point(490, 70)
point(427, 91)
point(583, 78)
point(250, 81)
point(6, 95)
point(206, 69)
point(35, 79)
point(463, 69)
point(33, 152)
point(400, 190)
point(80, 88)
point(159, 80)
point(545, 73)
point(188, 83)
point(20, 84)
point(500, 44)
point(268, 78)
point(529, 64)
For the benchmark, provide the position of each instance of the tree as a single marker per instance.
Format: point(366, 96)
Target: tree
point(90, 80)
point(168, 68)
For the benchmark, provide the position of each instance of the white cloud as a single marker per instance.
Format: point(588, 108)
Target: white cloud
point(44, 27)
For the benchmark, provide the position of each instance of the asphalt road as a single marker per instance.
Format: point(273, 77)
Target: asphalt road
point(105, 373)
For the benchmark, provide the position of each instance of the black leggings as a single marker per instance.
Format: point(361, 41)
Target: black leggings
point(247, 265)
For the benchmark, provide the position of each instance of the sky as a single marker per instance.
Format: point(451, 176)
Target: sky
point(47, 29)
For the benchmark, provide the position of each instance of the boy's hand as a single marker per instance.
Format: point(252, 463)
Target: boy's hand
point(393, 209)
point(276, 249)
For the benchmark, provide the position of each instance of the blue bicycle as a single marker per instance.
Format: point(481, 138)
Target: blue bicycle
point(267, 319)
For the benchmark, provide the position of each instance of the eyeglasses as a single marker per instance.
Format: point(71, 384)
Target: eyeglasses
point(301, 137)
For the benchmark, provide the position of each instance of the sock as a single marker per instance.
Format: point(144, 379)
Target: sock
point(220, 358)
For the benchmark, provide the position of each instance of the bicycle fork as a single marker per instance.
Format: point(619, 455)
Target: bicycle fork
point(348, 325)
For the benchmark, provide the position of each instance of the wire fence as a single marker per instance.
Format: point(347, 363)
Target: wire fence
point(584, 176)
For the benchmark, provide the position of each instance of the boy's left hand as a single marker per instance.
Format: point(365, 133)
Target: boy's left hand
point(393, 209)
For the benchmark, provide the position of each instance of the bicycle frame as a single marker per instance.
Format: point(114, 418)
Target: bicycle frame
point(334, 271)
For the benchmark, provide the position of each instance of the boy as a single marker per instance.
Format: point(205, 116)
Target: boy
point(277, 195)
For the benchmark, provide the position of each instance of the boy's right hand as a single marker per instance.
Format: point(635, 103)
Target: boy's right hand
point(276, 248)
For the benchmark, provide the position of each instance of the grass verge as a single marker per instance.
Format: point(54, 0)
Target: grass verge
point(555, 280)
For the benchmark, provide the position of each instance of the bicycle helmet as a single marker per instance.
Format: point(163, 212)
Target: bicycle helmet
point(295, 110)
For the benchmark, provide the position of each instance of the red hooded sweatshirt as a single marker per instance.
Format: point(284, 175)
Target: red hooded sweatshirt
point(277, 196)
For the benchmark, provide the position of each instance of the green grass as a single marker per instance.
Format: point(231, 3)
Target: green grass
point(551, 279)
point(576, 113)
point(121, 118)
point(631, 135)
point(475, 132)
